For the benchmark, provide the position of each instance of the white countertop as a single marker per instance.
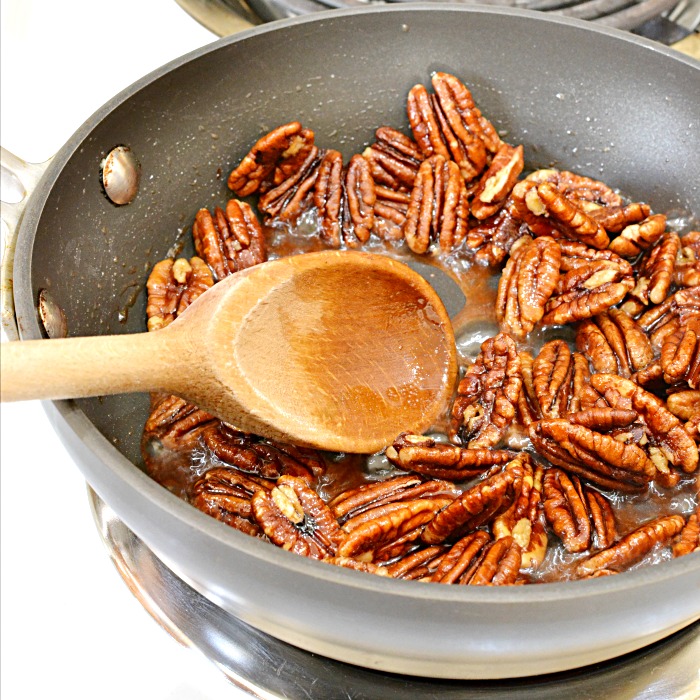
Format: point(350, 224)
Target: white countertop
point(69, 624)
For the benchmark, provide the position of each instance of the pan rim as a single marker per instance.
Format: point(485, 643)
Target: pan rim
point(161, 498)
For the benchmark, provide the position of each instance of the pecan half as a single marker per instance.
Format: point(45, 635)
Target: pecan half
point(386, 526)
point(590, 285)
point(257, 455)
point(575, 512)
point(350, 563)
point(496, 183)
point(638, 237)
point(423, 455)
point(478, 504)
point(271, 159)
point(654, 274)
point(476, 560)
point(492, 239)
point(528, 405)
point(687, 268)
point(525, 206)
point(294, 517)
point(176, 424)
point(588, 194)
point(419, 564)
point(680, 355)
point(449, 124)
point(438, 210)
point(596, 456)
point(487, 394)
point(668, 441)
point(526, 285)
point(328, 196)
point(665, 318)
point(684, 404)
point(651, 377)
point(226, 495)
point(615, 218)
point(351, 503)
point(614, 343)
point(394, 159)
point(358, 203)
point(524, 520)
point(458, 105)
point(294, 195)
point(229, 241)
point(564, 214)
point(390, 209)
point(499, 565)
point(689, 538)
point(602, 518)
point(576, 256)
point(599, 574)
point(422, 117)
point(170, 436)
point(463, 556)
point(172, 286)
point(563, 385)
point(559, 380)
point(633, 546)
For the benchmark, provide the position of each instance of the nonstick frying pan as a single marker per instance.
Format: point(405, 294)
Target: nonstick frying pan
point(596, 101)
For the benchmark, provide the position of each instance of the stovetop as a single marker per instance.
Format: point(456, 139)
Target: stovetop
point(672, 22)
point(265, 667)
point(70, 623)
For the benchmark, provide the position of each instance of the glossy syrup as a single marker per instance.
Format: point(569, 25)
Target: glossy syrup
point(473, 324)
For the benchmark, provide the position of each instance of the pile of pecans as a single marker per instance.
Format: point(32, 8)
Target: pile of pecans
point(573, 459)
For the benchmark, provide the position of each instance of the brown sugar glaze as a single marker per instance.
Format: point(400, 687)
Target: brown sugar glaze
point(473, 324)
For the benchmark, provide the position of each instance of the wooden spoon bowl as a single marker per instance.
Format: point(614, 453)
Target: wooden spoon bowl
point(337, 350)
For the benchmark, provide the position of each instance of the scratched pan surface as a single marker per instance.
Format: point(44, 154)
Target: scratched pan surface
point(607, 104)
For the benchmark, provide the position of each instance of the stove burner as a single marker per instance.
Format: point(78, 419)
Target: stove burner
point(671, 22)
point(681, 18)
point(268, 668)
point(623, 14)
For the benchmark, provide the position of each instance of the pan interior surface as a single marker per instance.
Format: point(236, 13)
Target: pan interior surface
point(607, 105)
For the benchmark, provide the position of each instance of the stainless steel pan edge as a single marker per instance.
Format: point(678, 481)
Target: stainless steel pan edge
point(388, 625)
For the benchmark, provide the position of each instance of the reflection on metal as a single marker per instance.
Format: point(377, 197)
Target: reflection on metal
point(267, 668)
point(52, 316)
point(223, 17)
point(121, 174)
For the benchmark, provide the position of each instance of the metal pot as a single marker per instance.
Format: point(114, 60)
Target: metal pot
point(589, 99)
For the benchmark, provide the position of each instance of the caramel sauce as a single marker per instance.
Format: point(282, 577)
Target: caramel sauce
point(473, 325)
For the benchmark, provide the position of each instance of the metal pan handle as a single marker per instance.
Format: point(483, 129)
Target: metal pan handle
point(19, 180)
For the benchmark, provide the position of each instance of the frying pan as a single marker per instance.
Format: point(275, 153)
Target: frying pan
point(589, 99)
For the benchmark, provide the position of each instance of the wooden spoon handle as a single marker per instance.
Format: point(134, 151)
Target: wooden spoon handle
point(89, 366)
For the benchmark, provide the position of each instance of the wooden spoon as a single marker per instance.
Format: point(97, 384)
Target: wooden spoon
point(336, 350)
